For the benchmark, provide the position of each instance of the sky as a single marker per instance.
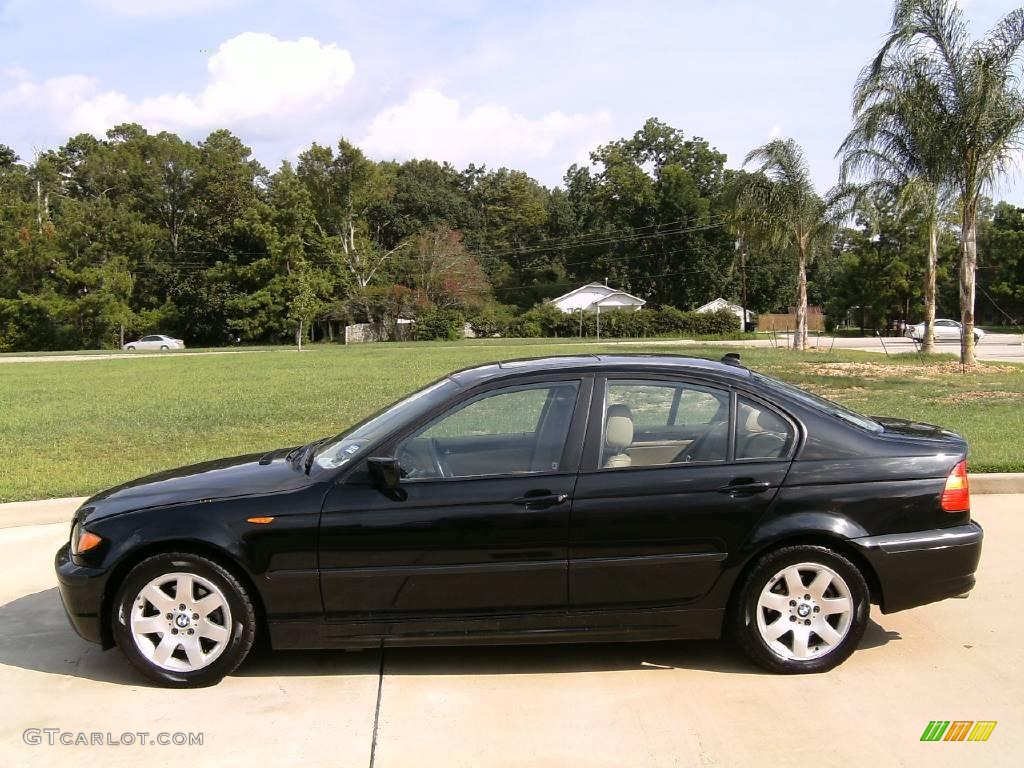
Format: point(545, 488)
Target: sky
point(525, 84)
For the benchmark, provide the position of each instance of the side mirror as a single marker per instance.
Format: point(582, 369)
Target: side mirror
point(385, 472)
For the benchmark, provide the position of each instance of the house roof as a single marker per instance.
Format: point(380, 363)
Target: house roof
point(719, 302)
point(598, 286)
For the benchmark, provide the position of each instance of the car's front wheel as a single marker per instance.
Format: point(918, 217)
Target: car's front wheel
point(801, 609)
point(131, 348)
point(183, 620)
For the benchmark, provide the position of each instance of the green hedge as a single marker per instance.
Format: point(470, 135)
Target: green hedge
point(548, 320)
point(439, 324)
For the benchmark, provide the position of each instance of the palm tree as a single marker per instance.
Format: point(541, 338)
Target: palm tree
point(976, 100)
point(789, 213)
point(898, 143)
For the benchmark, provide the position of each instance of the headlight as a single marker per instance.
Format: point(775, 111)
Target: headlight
point(83, 540)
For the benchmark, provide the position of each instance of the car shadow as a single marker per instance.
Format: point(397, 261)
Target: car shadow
point(35, 635)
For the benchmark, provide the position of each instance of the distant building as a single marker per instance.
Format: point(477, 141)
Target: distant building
point(736, 309)
point(594, 297)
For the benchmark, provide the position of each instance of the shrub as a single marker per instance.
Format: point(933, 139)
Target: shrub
point(439, 324)
point(492, 319)
point(548, 320)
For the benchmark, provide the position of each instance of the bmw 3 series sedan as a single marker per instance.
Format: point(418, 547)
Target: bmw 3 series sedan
point(607, 497)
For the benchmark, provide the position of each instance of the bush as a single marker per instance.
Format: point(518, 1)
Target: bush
point(548, 320)
point(439, 324)
point(524, 328)
point(493, 319)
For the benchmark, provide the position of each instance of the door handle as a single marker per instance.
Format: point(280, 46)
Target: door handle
point(541, 500)
point(744, 487)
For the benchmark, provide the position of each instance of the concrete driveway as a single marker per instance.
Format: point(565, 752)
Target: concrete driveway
point(663, 704)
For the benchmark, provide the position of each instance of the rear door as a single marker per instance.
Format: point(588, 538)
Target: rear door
point(656, 528)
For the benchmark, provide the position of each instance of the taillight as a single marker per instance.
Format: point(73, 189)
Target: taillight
point(956, 496)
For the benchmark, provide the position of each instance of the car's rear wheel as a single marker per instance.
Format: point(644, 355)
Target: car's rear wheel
point(801, 609)
point(183, 620)
point(164, 347)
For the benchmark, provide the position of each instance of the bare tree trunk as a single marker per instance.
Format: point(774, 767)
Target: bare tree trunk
point(39, 205)
point(298, 335)
point(121, 345)
point(928, 344)
point(800, 337)
point(968, 265)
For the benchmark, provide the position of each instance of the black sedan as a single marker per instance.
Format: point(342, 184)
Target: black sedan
point(559, 499)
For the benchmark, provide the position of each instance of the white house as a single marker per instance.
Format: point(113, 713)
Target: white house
point(594, 297)
point(720, 303)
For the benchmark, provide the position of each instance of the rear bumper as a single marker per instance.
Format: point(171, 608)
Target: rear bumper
point(925, 566)
point(81, 592)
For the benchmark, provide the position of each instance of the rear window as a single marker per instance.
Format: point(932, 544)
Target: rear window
point(817, 403)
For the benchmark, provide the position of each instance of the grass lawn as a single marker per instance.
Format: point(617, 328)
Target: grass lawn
point(72, 428)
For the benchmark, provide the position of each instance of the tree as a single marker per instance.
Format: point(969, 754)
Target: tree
point(975, 88)
point(307, 303)
point(899, 143)
point(1001, 242)
point(439, 265)
point(789, 213)
point(346, 188)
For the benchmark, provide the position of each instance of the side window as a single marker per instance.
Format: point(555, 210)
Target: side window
point(761, 433)
point(513, 431)
point(651, 423)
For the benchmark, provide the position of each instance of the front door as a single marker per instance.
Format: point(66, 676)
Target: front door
point(479, 524)
point(668, 492)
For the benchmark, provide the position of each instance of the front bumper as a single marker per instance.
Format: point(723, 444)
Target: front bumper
point(918, 568)
point(81, 592)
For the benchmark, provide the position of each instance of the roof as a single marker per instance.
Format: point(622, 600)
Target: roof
point(559, 363)
point(592, 286)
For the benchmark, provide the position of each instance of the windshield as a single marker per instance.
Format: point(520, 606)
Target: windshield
point(341, 448)
point(818, 403)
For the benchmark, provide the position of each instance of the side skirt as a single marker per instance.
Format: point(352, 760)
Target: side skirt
point(651, 624)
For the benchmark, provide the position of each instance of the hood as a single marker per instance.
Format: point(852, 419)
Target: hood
point(249, 475)
point(907, 428)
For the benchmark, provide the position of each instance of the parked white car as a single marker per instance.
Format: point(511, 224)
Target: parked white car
point(945, 330)
point(155, 341)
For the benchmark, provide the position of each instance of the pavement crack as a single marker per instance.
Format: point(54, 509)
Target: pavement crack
point(376, 713)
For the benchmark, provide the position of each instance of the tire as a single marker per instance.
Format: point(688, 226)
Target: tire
point(131, 349)
point(766, 597)
point(164, 348)
point(187, 648)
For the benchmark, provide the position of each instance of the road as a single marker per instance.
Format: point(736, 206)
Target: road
point(662, 704)
point(995, 347)
point(71, 357)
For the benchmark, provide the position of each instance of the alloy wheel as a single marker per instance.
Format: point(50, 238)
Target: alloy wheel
point(181, 622)
point(804, 611)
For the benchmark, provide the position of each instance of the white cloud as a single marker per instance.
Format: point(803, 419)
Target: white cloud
point(430, 124)
point(254, 81)
point(162, 7)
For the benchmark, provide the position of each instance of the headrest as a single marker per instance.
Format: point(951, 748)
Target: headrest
point(759, 419)
point(618, 432)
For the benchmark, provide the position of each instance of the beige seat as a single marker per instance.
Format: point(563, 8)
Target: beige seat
point(618, 435)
